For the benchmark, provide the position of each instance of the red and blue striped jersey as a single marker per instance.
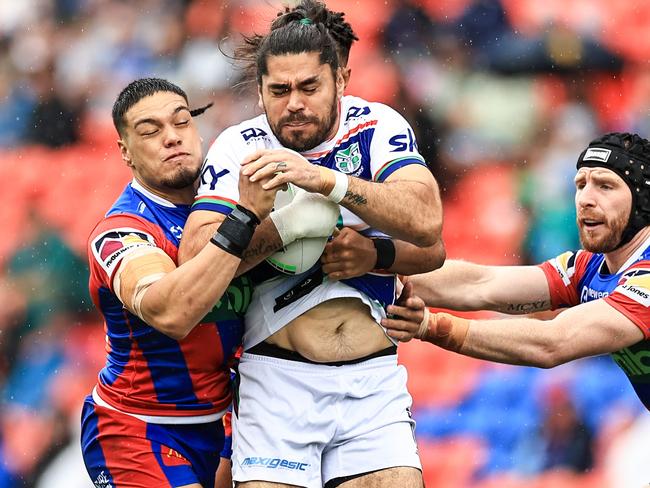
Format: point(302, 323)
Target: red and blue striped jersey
point(147, 372)
point(582, 276)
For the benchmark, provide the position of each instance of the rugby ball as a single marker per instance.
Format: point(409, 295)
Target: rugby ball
point(301, 254)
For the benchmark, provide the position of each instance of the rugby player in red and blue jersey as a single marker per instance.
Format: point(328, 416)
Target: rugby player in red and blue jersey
point(605, 287)
point(154, 418)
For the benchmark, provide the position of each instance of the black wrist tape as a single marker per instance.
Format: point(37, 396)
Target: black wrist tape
point(236, 231)
point(385, 253)
point(244, 215)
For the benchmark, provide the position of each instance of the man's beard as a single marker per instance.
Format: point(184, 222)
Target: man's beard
point(182, 178)
point(301, 142)
point(608, 242)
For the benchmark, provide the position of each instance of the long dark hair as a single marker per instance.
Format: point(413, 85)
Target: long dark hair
point(305, 28)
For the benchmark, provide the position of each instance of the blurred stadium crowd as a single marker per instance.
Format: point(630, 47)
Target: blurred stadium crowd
point(504, 95)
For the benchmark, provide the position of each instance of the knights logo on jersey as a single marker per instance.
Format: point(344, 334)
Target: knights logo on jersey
point(102, 481)
point(635, 284)
point(348, 160)
point(110, 246)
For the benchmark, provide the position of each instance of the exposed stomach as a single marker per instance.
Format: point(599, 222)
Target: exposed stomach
point(341, 329)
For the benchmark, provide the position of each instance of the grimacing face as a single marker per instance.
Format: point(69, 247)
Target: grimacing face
point(300, 97)
point(161, 143)
point(603, 206)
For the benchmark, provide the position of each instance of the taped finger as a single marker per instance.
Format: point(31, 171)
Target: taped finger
point(424, 325)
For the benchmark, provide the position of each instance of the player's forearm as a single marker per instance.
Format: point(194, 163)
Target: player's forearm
point(584, 330)
point(520, 341)
point(460, 285)
point(179, 300)
point(196, 236)
point(406, 210)
point(457, 285)
point(265, 242)
point(411, 259)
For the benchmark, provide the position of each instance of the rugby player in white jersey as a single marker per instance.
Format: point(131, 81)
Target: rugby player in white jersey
point(322, 399)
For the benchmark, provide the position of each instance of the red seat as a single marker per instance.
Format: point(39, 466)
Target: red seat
point(366, 20)
point(483, 222)
point(451, 462)
point(437, 377)
point(253, 17)
point(372, 77)
point(445, 10)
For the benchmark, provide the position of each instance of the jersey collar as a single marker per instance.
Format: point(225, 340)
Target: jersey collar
point(135, 184)
point(635, 256)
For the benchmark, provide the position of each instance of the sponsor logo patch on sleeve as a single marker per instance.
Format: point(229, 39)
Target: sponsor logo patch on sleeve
point(635, 284)
point(111, 246)
point(565, 264)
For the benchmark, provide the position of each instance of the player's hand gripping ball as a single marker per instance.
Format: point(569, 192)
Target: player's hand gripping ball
point(305, 221)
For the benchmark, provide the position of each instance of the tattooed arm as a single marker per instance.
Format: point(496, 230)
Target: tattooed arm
point(587, 329)
point(459, 285)
point(406, 205)
point(201, 226)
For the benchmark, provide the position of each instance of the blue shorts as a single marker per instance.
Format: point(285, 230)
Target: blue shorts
point(122, 451)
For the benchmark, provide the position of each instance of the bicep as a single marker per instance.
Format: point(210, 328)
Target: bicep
point(415, 173)
point(594, 328)
point(199, 228)
point(137, 271)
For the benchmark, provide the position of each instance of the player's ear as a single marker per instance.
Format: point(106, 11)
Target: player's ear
point(260, 102)
point(125, 153)
point(346, 75)
point(340, 82)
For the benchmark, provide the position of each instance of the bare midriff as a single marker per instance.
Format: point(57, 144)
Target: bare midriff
point(341, 329)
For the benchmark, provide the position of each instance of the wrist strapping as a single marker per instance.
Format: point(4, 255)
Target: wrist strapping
point(340, 187)
point(385, 253)
point(236, 231)
point(449, 334)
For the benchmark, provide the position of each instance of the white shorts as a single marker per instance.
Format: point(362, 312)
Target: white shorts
point(305, 424)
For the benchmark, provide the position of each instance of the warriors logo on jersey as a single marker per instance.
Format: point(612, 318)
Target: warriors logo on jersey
point(348, 160)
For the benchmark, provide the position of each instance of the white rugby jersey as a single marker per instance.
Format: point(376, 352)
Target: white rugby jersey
point(371, 143)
